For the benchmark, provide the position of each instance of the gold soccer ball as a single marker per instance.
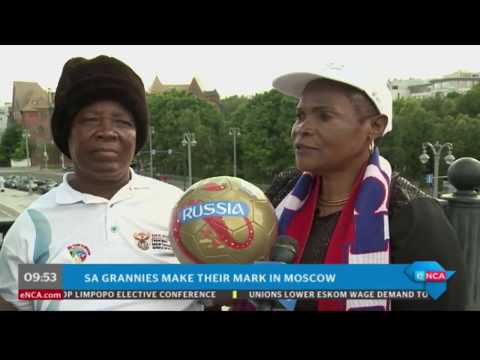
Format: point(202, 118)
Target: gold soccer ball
point(223, 220)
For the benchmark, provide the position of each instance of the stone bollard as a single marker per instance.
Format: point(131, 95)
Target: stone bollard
point(463, 211)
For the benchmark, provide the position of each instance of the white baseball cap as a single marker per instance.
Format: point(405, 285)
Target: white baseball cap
point(374, 86)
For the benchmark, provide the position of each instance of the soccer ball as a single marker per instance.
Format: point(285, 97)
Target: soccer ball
point(223, 220)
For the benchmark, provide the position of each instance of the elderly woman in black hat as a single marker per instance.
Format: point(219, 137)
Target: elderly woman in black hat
point(106, 95)
point(102, 212)
point(342, 204)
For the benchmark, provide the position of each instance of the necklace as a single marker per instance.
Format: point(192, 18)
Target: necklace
point(331, 203)
point(323, 206)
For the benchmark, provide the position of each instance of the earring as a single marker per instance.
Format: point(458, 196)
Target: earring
point(371, 147)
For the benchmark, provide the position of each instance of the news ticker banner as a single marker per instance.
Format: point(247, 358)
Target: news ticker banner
point(419, 280)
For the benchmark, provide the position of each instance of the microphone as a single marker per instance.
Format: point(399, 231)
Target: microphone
point(284, 249)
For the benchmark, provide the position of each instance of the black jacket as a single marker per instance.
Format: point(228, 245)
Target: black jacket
point(419, 231)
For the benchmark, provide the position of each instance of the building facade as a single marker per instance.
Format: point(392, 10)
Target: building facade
point(32, 108)
point(460, 82)
point(193, 88)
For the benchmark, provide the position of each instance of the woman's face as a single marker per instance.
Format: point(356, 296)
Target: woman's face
point(328, 135)
point(102, 140)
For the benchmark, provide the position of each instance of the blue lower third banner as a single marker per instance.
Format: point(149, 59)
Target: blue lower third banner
point(422, 276)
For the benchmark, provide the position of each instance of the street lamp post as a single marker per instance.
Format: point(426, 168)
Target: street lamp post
point(152, 152)
point(45, 155)
point(62, 159)
point(235, 132)
point(437, 151)
point(26, 136)
point(189, 141)
point(156, 152)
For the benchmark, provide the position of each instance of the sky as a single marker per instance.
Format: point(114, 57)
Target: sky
point(235, 69)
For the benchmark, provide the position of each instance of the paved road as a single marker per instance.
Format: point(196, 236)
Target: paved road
point(13, 202)
point(5, 214)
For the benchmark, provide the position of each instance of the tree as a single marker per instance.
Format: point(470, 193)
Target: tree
point(469, 103)
point(172, 114)
point(413, 125)
point(265, 145)
point(20, 152)
point(452, 118)
point(232, 104)
point(12, 140)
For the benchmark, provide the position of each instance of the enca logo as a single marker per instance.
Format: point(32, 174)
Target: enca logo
point(430, 276)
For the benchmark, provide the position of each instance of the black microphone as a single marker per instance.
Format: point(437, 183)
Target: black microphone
point(284, 249)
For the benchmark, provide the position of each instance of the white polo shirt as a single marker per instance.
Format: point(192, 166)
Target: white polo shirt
point(65, 226)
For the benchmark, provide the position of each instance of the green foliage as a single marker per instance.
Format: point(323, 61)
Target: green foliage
point(10, 144)
point(452, 118)
point(264, 147)
point(174, 113)
point(469, 103)
point(232, 104)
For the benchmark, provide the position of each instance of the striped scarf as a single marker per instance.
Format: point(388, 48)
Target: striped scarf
point(361, 235)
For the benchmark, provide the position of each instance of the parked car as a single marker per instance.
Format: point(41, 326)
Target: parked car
point(40, 182)
point(25, 183)
point(15, 181)
point(10, 182)
point(49, 185)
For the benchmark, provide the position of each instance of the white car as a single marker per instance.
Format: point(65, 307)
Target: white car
point(2, 184)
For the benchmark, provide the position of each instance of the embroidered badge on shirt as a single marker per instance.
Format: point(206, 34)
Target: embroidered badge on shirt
point(78, 252)
point(143, 239)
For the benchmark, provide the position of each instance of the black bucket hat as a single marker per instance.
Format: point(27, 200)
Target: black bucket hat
point(102, 78)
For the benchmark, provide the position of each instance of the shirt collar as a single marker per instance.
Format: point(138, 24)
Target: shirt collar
point(66, 195)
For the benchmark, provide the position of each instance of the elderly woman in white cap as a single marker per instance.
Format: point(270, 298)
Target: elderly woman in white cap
point(342, 204)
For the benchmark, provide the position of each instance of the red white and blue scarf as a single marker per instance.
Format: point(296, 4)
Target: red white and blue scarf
point(361, 235)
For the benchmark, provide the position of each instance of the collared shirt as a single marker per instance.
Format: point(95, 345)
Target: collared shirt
point(65, 226)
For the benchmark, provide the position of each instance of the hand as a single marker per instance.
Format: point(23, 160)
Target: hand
point(6, 306)
point(217, 304)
